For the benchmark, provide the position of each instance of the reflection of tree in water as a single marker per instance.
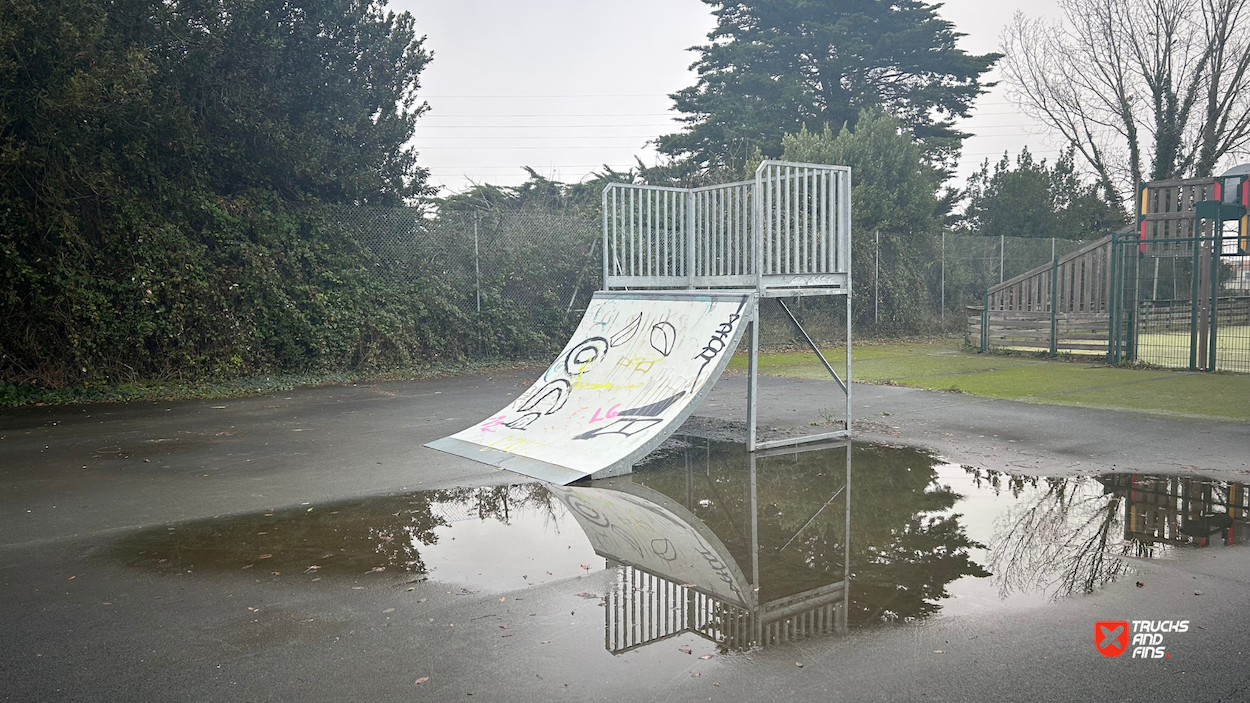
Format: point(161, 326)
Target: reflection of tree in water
point(1062, 538)
point(347, 537)
point(905, 549)
point(906, 545)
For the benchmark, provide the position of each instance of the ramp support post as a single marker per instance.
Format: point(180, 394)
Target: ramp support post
point(753, 372)
point(811, 344)
point(846, 424)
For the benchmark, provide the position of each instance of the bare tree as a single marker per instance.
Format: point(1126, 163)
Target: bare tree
point(1062, 539)
point(1142, 89)
point(1226, 119)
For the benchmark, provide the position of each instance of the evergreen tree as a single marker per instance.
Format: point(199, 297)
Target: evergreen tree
point(894, 192)
point(1036, 200)
point(772, 67)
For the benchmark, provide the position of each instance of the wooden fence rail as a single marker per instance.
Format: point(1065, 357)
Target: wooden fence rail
point(1080, 332)
point(1081, 280)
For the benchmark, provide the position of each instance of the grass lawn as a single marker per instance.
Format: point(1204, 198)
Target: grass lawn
point(944, 365)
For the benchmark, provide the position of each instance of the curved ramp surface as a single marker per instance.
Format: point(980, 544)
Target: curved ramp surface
point(634, 525)
point(637, 366)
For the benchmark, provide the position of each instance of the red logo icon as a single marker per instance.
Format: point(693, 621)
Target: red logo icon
point(1111, 636)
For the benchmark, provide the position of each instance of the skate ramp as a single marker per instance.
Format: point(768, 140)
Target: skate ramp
point(637, 366)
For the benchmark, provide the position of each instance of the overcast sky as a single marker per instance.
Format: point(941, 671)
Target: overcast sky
point(566, 86)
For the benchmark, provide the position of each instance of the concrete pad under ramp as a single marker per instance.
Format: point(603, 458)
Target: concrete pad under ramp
point(638, 365)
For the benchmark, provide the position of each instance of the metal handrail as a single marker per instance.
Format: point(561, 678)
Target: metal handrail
point(788, 228)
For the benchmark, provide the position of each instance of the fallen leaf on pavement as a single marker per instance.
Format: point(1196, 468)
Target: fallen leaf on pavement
point(423, 679)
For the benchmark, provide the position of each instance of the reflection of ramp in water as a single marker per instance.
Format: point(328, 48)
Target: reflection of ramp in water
point(637, 366)
point(643, 608)
point(674, 575)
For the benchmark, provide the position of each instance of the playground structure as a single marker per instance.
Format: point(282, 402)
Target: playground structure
point(1173, 292)
point(683, 271)
point(1182, 510)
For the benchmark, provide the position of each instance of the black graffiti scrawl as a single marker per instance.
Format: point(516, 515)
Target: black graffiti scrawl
point(625, 427)
point(717, 343)
point(544, 401)
point(627, 332)
point(654, 409)
point(663, 337)
point(617, 389)
point(587, 352)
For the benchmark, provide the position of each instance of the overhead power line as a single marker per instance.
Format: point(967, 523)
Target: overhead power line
point(434, 113)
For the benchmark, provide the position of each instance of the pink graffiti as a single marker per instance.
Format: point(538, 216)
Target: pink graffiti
point(611, 414)
point(492, 423)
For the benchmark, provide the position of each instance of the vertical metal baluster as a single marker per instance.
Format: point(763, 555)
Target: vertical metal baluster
point(823, 258)
point(806, 239)
point(650, 217)
point(784, 248)
point(835, 222)
point(616, 233)
point(845, 222)
point(727, 232)
point(766, 218)
point(632, 267)
point(744, 227)
point(830, 261)
point(818, 231)
point(713, 242)
point(704, 225)
point(671, 246)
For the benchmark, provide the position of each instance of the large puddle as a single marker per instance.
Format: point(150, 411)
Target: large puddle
point(743, 550)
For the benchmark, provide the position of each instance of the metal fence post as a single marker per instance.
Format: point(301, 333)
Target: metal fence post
point(1217, 247)
point(876, 289)
point(943, 286)
point(1115, 303)
point(985, 323)
point(1193, 297)
point(477, 265)
point(1054, 299)
point(1002, 256)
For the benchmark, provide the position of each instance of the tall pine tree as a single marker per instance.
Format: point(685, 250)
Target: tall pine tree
point(772, 67)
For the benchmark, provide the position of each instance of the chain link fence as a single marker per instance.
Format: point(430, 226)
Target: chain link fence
point(520, 279)
point(1182, 306)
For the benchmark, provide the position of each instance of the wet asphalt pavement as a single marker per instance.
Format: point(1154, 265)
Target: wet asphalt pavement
point(79, 623)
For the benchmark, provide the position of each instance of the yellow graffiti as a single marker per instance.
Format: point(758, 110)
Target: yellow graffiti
point(605, 386)
point(638, 363)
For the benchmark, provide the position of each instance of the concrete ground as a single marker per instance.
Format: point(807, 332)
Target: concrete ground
point(78, 626)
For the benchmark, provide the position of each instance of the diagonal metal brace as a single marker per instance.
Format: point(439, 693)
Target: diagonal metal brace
point(812, 344)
